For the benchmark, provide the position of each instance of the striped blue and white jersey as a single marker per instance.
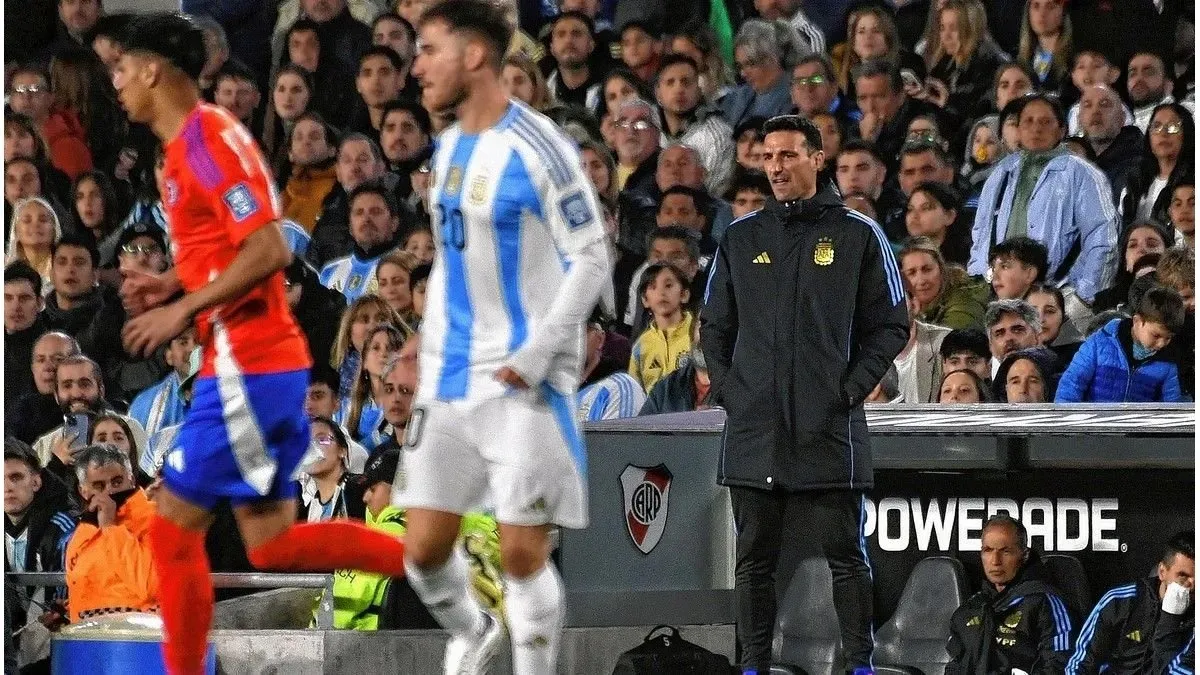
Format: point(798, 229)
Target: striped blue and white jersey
point(351, 276)
point(520, 260)
point(615, 397)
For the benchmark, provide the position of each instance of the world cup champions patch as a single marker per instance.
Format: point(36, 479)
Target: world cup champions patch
point(240, 202)
point(575, 210)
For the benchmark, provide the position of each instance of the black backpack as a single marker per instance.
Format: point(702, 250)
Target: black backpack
point(668, 652)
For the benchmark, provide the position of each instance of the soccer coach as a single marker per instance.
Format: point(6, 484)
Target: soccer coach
point(803, 315)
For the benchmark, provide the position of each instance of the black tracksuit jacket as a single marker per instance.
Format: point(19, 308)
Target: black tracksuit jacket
point(1121, 630)
point(803, 314)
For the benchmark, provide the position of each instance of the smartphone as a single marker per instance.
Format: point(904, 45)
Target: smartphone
point(76, 427)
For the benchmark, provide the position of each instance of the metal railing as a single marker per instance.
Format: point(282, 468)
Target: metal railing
point(258, 580)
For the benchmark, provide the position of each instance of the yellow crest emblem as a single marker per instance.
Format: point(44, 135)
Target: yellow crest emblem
point(823, 253)
point(478, 190)
point(454, 181)
point(1013, 620)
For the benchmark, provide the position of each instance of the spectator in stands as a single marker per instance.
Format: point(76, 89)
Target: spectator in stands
point(78, 388)
point(311, 149)
point(381, 77)
point(110, 429)
point(1117, 143)
point(391, 30)
point(1016, 264)
point(573, 79)
point(811, 38)
point(341, 27)
point(374, 224)
point(23, 325)
point(1091, 68)
point(405, 138)
point(681, 165)
point(291, 94)
point(860, 170)
point(748, 140)
point(359, 160)
point(641, 48)
point(76, 18)
point(601, 169)
point(1119, 634)
point(36, 532)
point(963, 386)
point(687, 119)
point(606, 391)
point(161, 405)
point(1177, 270)
point(81, 84)
point(638, 143)
point(673, 245)
point(1148, 86)
point(966, 349)
point(417, 282)
point(696, 40)
point(924, 159)
point(1057, 334)
point(327, 488)
point(33, 234)
point(1012, 325)
point(1027, 376)
point(887, 109)
point(392, 273)
point(984, 148)
point(37, 412)
point(22, 140)
point(961, 58)
point(419, 192)
point(944, 294)
point(1046, 43)
point(933, 210)
point(815, 91)
point(97, 212)
point(363, 315)
point(871, 35)
point(1017, 621)
point(216, 50)
point(685, 389)
point(918, 366)
point(1024, 197)
point(419, 242)
point(321, 398)
point(1125, 361)
point(109, 568)
point(236, 90)
point(1182, 214)
point(765, 53)
point(1166, 161)
point(1143, 239)
point(316, 309)
point(748, 194)
point(142, 247)
point(679, 207)
point(524, 81)
point(363, 416)
point(663, 291)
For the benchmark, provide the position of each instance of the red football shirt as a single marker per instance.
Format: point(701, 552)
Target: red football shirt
point(217, 190)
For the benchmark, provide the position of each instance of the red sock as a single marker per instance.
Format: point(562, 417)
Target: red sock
point(185, 595)
point(331, 545)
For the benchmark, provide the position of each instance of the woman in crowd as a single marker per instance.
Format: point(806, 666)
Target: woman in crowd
point(1026, 376)
point(114, 430)
point(963, 386)
point(944, 294)
point(23, 140)
point(96, 212)
point(393, 273)
point(32, 234)
point(696, 41)
point(1012, 81)
point(291, 93)
point(1167, 160)
point(364, 416)
point(871, 34)
point(523, 80)
point(933, 209)
point(601, 169)
point(1046, 43)
point(962, 56)
point(327, 488)
point(82, 85)
point(1145, 238)
point(1058, 334)
point(363, 315)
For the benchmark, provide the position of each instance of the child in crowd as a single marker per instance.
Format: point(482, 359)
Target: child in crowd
point(419, 242)
point(664, 293)
point(1124, 362)
point(1017, 264)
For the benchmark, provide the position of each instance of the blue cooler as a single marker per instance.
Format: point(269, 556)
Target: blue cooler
point(121, 644)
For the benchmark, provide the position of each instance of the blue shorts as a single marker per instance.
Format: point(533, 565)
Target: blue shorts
point(242, 440)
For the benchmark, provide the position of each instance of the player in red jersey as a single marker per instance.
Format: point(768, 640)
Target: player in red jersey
point(245, 432)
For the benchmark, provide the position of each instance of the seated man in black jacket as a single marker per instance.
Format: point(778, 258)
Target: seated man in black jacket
point(1018, 622)
point(1119, 635)
point(37, 412)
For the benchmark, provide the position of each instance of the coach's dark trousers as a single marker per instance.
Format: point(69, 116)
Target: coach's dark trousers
point(831, 518)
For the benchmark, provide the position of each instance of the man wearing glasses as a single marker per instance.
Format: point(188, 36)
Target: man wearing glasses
point(30, 95)
point(142, 247)
point(814, 90)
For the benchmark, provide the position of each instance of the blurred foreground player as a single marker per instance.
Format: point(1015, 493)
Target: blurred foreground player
point(521, 261)
point(245, 431)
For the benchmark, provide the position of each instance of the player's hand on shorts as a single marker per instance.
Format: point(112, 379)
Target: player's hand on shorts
point(147, 332)
point(105, 509)
point(141, 292)
point(511, 378)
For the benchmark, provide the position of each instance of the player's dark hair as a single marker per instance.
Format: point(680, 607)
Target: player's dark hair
point(1183, 543)
point(690, 240)
point(78, 241)
point(1005, 520)
point(419, 114)
point(971, 340)
point(19, 270)
point(1024, 250)
point(386, 52)
point(1164, 306)
point(375, 187)
point(481, 19)
point(797, 123)
point(19, 450)
point(173, 36)
point(109, 26)
point(420, 273)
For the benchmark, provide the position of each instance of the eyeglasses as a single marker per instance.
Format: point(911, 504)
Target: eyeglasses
point(918, 136)
point(323, 440)
point(636, 125)
point(424, 168)
point(1169, 129)
point(748, 63)
point(28, 89)
point(810, 81)
point(141, 249)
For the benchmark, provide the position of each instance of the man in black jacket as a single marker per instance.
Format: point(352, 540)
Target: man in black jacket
point(810, 293)
point(1120, 631)
point(1018, 622)
point(23, 325)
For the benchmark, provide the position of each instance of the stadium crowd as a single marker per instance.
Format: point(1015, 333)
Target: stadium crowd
point(1031, 163)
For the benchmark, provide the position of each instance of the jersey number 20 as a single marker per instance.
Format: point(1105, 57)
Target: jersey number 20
point(454, 232)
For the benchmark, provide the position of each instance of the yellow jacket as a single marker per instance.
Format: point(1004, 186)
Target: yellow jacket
point(305, 192)
point(656, 352)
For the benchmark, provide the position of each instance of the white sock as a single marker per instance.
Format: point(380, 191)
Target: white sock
point(445, 591)
point(535, 607)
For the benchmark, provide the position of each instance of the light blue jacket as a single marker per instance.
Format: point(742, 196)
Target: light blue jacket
point(1072, 201)
point(159, 406)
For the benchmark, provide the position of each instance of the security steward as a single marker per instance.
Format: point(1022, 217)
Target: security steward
point(803, 315)
point(1018, 622)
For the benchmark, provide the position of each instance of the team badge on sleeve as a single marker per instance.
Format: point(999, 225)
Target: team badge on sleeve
point(575, 209)
point(240, 202)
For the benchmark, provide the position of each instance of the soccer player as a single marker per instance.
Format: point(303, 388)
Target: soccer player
point(245, 431)
point(521, 261)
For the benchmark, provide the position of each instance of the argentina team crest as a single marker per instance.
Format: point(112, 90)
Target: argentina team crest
point(646, 491)
point(454, 181)
point(823, 253)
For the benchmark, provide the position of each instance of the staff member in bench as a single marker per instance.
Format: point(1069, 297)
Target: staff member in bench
point(811, 294)
point(1018, 623)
